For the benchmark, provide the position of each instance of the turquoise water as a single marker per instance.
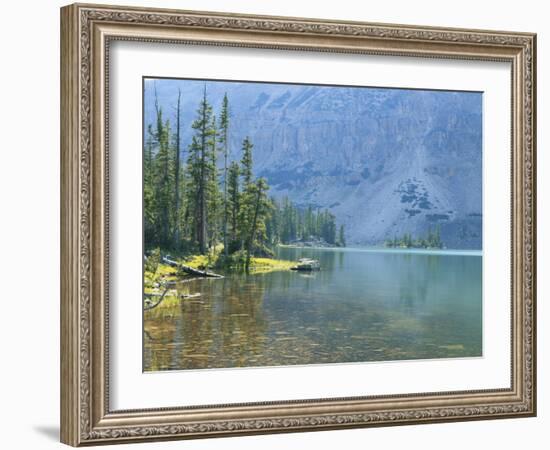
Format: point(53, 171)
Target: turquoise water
point(364, 305)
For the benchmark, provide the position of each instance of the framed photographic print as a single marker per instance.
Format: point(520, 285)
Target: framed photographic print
point(275, 224)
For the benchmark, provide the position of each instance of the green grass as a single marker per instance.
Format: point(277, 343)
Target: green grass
point(164, 272)
point(199, 261)
point(266, 265)
point(258, 265)
point(204, 261)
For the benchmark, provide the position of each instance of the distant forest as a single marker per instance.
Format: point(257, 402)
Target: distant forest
point(208, 198)
point(431, 240)
point(292, 225)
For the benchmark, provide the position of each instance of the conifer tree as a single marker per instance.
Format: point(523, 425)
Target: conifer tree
point(260, 209)
point(273, 224)
point(214, 199)
point(177, 176)
point(224, 141)
point(199, 165)
point(233, 201)
point(148, 188)
point(437, 237)
point(162, 170)
point(163, 188)
point(341, 237)
point(246, 162)
point(246, 200)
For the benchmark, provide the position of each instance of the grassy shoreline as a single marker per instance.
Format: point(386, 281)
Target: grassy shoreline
point(157, 273)
point(258, 264)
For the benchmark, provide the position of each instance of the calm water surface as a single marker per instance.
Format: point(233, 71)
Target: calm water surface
point(363, 305)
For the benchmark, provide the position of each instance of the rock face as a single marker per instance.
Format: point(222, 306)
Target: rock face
point(384, 161)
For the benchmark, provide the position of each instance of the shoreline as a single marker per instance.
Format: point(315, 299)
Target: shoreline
point(262, 265)
point(420, 251)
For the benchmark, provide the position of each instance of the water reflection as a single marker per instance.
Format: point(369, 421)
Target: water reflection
point(362, 306)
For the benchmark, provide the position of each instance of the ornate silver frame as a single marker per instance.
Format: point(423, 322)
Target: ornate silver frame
point(86, 31)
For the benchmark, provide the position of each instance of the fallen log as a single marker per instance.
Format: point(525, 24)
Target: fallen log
point(190, 270)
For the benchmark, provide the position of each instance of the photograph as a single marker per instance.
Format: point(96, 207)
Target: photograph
point(298, 224)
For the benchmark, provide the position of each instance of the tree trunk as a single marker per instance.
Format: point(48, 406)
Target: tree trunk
point(177, 175)
point(225, 246)
point(202, 188)
point(253, 230)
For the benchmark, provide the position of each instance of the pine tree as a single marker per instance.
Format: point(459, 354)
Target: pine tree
point(287, 225)
point(341, 237)
point(261, 204)
point(162, 173)
point(163, 185)
point(246, 200)
point(148, 188)
point(214, 200)
point(177, 176)
point(430, 238)
point(246, 162)
point(233, 201)
point(437, 237)
point(224, 141)
point(273, 224)
point(199, 165)
point(309, 223)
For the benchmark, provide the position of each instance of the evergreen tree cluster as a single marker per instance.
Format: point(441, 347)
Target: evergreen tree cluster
point(207, 198)
point(290, 224)
point(194, 205)
point(432, 240)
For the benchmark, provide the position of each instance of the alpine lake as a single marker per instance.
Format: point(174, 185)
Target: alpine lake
point(364, 305)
